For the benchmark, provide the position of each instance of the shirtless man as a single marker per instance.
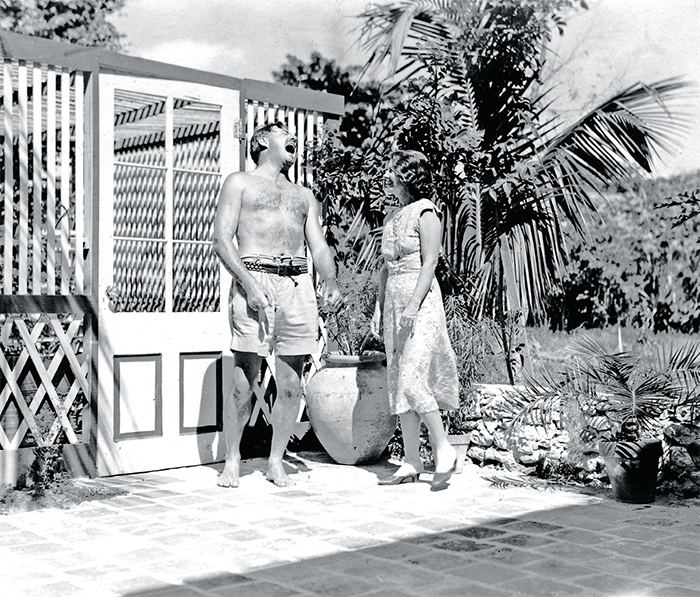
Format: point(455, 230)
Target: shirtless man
point(273, 300)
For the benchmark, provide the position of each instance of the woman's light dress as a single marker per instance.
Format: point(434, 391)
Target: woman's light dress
point(421, 367)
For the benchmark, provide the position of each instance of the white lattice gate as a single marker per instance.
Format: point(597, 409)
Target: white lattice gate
point(113, 322)
point(44, 365)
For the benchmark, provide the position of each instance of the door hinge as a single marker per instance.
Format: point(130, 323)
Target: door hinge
point(238, 130)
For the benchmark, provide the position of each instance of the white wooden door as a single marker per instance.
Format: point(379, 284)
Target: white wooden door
point(165, 148)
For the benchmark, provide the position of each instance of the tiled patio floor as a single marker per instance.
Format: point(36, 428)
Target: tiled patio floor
point(336, 533)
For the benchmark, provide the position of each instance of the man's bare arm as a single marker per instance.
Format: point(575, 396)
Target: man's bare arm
point(228, 214)
point(321, 254)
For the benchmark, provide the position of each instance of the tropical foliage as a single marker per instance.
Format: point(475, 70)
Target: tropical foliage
point(76, 21)
point(642, 266)
point(625, 392)
point(468, 76)
point(322, 74)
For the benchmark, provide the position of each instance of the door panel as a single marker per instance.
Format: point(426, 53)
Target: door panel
point(165, 149)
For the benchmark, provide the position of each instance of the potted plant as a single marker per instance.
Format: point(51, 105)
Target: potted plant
point(347, 399)
point(626, 397)
point(459, 425)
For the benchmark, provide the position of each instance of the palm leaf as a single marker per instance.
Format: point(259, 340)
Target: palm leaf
point(399, 30)
point(684, 364)
point(619, 137)
point(504, 481)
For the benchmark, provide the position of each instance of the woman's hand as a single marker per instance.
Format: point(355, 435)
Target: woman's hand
point(408, 317)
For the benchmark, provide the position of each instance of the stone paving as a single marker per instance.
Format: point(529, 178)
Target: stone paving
point(336, 533)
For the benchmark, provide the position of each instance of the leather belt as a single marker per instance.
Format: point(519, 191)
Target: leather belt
point(280, 266)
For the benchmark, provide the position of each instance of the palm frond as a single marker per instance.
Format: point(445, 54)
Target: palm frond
point(621, 136)
point(397, 31)
point(504, 481)
point(684, 364)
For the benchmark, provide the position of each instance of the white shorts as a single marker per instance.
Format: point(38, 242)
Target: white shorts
point(289, 326)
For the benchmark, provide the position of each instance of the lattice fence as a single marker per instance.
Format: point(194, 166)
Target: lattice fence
point(41, 211)
point(44, 388)
point(307, 125)
point(44, 374)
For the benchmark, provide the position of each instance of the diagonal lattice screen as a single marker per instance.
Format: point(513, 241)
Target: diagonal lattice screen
point(44, 386)
point(146, 180)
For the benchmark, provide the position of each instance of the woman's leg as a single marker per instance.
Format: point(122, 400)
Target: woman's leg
point(410, 430)
point(443, 451)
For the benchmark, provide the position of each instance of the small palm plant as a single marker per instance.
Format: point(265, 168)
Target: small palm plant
point(348, 329)
point(634, 388)
point(625, 398)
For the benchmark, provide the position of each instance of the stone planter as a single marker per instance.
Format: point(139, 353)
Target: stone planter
point(348, 406)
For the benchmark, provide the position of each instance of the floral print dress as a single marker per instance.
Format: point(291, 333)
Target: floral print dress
point(421, 367)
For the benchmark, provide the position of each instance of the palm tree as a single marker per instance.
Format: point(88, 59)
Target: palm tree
point(515, 174)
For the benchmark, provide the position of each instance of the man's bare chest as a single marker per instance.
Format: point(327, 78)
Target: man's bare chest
point(271, 201)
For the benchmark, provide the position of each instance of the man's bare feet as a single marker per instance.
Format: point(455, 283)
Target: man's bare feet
point(229, 476)
point(277, 474)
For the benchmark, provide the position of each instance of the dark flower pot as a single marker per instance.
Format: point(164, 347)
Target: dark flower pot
point(633, 468)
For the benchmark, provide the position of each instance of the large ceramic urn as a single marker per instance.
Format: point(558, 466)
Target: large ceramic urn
point(348, 406)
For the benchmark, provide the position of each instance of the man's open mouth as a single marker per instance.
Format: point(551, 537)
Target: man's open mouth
point(290, 147)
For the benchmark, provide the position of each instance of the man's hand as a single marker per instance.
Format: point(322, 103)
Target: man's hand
point(256, 298)
point(332, 296)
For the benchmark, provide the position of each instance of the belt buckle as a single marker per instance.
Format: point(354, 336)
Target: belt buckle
point(277, 264)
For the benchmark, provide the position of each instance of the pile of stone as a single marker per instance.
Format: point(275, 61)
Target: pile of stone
point(487, 418)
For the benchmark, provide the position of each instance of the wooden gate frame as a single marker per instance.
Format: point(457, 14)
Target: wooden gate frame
point(304, 111)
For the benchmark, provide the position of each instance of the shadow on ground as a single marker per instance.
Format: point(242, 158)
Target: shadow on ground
point(599, 549)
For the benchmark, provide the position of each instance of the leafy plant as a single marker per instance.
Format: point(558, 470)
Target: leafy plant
point(689, 204)
point(641, 267)
point(624, 395)
point(47, 471)
point(478, 350)
point(348, 328)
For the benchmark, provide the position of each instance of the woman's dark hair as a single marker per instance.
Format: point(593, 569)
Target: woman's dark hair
point(262, 132)
point(413, 172)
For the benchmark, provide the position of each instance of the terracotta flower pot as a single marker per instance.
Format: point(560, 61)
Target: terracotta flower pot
point(348, 407)
point(632, 468)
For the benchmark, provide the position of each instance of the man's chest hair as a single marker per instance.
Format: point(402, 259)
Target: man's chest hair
point(287, 199)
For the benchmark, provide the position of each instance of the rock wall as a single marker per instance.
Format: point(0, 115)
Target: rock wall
point(487, 420)
point(488, 414)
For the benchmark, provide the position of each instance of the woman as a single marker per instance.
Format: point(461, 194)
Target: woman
point(421, 367)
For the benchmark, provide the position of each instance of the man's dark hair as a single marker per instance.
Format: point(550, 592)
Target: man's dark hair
point(262, 132)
